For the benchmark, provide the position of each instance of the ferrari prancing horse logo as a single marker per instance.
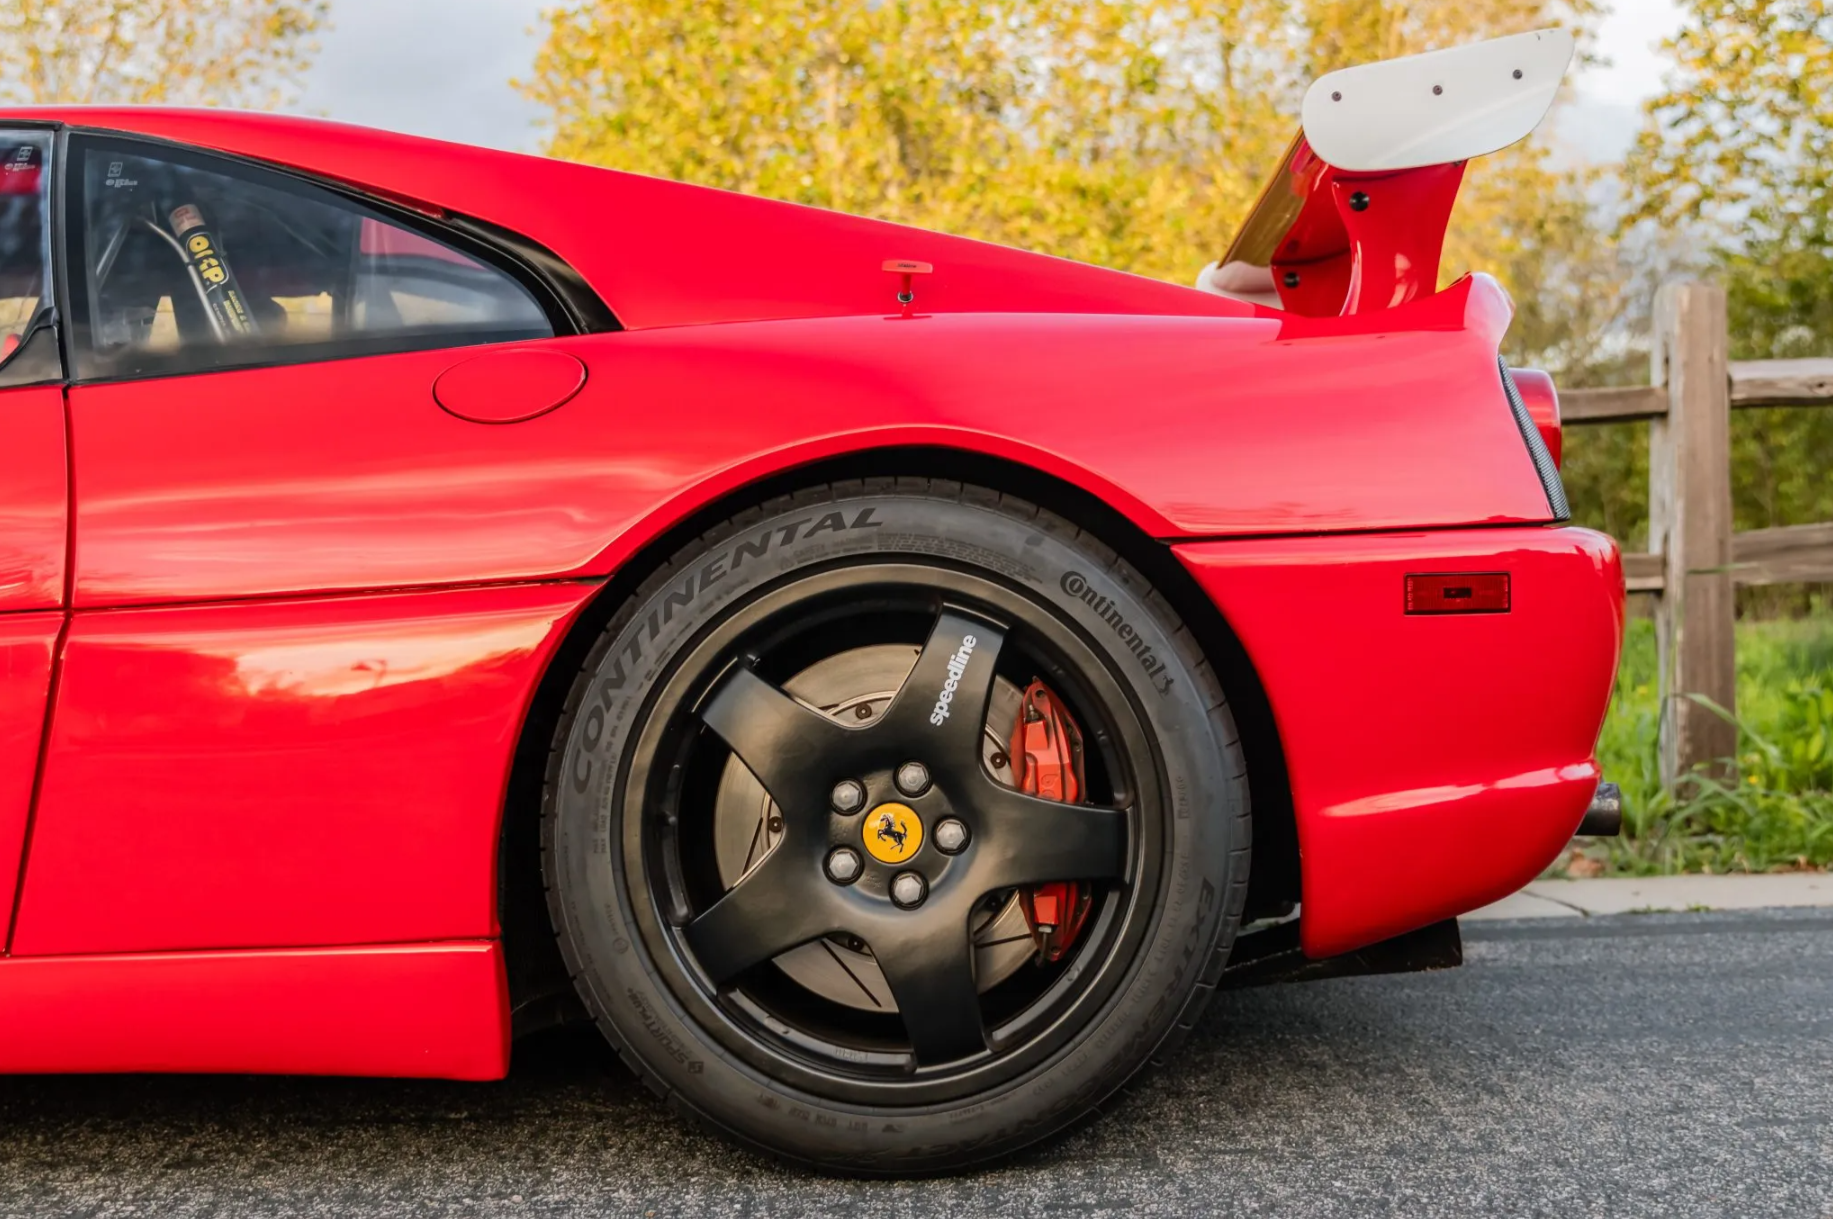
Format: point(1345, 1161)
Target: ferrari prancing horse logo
point(892, 832)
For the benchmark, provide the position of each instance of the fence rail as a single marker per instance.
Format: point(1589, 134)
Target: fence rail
point(1791, 554)
point(1754, 383)
point(1696, 561)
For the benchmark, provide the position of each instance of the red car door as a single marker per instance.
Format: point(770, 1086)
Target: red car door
point(251, 746)
point(33, 495)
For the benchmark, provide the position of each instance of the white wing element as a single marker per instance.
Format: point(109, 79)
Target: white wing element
point(1438, 107)
point(1240, 281)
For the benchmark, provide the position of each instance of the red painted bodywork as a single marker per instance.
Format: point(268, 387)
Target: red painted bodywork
point(294, 773)
point(308, 608)
point(1437, 762)
point(409, 1010)
point(27, 644)
point(1357, 242)
point(34, 498)
point(185, 497)
point(1391, 264)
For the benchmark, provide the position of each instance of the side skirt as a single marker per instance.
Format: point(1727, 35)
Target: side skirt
point(429, 1010)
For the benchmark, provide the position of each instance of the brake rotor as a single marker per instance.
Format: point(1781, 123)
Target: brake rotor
point(855, 687)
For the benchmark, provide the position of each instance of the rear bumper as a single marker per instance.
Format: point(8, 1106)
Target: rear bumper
point(1437, 762)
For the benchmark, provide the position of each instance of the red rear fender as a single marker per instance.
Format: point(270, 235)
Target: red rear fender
point(1437, 761)
point(1193, 427)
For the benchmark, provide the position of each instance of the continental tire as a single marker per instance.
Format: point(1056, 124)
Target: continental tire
point(789, 864)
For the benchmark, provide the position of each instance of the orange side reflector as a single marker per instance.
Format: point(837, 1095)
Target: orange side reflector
point(1480, 592)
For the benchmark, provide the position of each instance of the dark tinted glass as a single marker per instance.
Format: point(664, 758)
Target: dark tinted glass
point(24, 249)
point(187, 268)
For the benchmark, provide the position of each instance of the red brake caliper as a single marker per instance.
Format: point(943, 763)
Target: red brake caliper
point(1047, 761)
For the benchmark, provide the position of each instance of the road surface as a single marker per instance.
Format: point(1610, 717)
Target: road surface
point(1632, 1065)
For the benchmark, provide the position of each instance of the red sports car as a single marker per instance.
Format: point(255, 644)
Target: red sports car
point(874, 675)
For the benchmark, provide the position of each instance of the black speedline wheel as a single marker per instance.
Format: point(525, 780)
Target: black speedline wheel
point(791, 855)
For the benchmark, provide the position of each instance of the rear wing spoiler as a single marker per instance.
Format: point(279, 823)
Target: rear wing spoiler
point(1354, 217)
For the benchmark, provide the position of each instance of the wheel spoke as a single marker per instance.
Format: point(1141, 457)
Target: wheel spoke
point(932, 978)
point(793, 750)
point(943, 703)
point(770, 911)
point(1026, 840)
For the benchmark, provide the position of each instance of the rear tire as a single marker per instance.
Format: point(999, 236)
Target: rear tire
point(674, 963)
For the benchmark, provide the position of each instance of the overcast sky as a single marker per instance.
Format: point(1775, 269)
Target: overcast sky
point(429, 67)
point(442, 68)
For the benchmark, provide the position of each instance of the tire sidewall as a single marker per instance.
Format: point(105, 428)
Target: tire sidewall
point(1109, 604)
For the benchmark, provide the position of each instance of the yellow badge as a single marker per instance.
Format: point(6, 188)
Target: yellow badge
point(892, 833)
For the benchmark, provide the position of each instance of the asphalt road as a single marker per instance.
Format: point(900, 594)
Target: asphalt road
point(1629, 1066)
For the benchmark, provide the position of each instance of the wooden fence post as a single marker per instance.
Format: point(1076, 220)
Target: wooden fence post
point(1689, 526)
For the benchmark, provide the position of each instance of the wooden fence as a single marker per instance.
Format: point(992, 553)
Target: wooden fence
point(1695, 560)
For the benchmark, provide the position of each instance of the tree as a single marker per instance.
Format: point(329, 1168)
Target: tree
point(1740, 145)
point(196, 52)
point(1743, 133)
point(1061, 126)
point(1132, 133)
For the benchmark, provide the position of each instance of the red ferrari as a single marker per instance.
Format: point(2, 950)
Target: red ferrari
point(886, 681)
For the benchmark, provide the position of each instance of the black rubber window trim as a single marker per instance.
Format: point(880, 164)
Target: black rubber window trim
point(1537, 448)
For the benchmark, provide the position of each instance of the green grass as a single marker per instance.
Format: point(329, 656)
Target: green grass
point(1774, 809)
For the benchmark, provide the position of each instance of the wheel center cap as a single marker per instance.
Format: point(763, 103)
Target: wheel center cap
point(892, 833)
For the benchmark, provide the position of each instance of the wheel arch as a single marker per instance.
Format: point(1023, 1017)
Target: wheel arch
point(540, 987)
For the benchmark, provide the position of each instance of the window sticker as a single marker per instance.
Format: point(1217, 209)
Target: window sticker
point(22, 171)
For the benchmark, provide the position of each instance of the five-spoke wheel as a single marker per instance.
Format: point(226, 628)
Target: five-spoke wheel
point(893, 832)
point(810, 868)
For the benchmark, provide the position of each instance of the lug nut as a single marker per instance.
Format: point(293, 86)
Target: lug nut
point(950, 836)
point(848, 797)
point(843, 865)
point(913, 778)
point(909, 889)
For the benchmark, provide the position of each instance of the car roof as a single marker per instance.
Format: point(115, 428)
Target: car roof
point(660, 252)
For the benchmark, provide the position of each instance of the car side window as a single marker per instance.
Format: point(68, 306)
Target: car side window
point(24, 235)
point(191, 263)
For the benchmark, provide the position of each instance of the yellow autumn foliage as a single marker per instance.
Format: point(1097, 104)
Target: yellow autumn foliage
point(179, 52)
point(1130, 133)
point(1743, 134)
